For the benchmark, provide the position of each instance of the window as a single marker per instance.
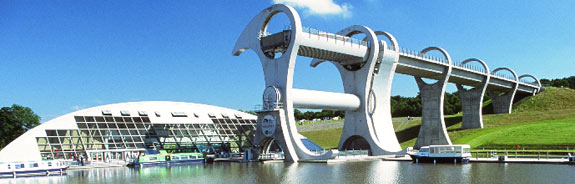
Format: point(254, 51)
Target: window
point(99, 119)
point(238, 115)
point(225, 115)
point(184, 157)
point(211, 115)
point(32, 165)
point(196, 115)
point(51, 133)
point(49, 164)
point(125, 113)
point(79, 118)
point(146, 119)
point(8, 166)
point(82, 125)
point(175, 158)
point(143, 113)
point(457, 149)
point(157, 114)
point(19, 166)
point(89, 118)
point(179, 114)
point(107, 112)
point(153, 158)
point(137, 119)
point(112, 125)
point(102, 125)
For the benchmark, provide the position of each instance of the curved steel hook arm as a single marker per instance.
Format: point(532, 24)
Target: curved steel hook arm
point(508, 69)
point(443, 51)
point(477, 60)
point(533, 77)
point(391, 38)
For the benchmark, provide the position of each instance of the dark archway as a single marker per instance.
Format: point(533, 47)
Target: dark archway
point(356, 142)
point(270, 145)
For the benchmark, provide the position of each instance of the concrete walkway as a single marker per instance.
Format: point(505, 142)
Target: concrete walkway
point(523, 160)
point(93, 165)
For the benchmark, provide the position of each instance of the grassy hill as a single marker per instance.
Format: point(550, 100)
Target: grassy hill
point(544, 121)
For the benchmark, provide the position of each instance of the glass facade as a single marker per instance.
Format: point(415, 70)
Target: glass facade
point(105, 134)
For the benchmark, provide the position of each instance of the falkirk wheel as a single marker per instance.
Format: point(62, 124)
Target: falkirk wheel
point(366, 81)
point(367, 68)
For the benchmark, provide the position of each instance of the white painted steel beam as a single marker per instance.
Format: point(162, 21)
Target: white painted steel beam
point(311, 99)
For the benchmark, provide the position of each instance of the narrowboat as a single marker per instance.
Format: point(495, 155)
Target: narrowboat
point(32, 168)
point(442, 154)
point(164, 158)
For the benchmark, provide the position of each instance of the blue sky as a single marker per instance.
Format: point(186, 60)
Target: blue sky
point(60, 56)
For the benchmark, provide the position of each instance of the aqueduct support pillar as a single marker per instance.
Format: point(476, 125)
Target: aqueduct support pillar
point(503, 103)
point(472, 100)
point(471, 105)
point(433, 130)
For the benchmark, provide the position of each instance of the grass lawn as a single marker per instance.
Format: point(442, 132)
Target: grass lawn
point(544, 122)
point(327, 138)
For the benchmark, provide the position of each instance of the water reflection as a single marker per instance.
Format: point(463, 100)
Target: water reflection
point(350, 172)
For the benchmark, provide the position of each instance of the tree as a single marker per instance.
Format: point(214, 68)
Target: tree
point(568, 82)
point(15, 121)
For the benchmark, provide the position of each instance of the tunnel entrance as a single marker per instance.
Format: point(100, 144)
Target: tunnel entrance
point(356, 142)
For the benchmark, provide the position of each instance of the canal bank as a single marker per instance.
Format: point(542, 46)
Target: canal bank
point(377, 171)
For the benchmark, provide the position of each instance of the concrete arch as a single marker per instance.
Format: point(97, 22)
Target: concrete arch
point(479, 61)
point(249, 39)
point(372, 83)
point(267, 144)
point(391, 38)
point(394, 43)
point(433, 130)
point(365, 82)
point(447, 57)
point(503, 104)
point(278, 73)
point(508, 69)
point(443, 51)
point(531, 76)
point(472, 99)
point(371, 37)
point(356, 142)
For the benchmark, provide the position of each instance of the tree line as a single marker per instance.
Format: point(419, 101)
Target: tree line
point(568, 82)
point(15, 121)
point(411, 106)
point(400, 107)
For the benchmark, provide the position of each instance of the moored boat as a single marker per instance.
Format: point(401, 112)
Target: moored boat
point(164, 158)
point(442, 154)
point(32, 168)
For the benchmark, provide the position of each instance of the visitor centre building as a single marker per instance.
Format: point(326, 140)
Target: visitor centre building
point(121, 131)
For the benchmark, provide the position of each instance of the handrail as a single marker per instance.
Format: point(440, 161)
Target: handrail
point(404, 51)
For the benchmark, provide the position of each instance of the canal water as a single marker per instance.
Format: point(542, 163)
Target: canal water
point(349, 172)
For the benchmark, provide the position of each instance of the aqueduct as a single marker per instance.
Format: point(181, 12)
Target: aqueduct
point(367, 68)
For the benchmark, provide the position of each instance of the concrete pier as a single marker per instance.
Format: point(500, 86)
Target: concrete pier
point(433, 130)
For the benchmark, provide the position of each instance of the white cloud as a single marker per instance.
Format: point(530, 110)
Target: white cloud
point(319, 7)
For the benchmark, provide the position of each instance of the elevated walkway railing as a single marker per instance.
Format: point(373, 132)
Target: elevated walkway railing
point(272, 156)
point(353, 42)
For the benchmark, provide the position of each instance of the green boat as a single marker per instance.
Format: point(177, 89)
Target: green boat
point(164, 158)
